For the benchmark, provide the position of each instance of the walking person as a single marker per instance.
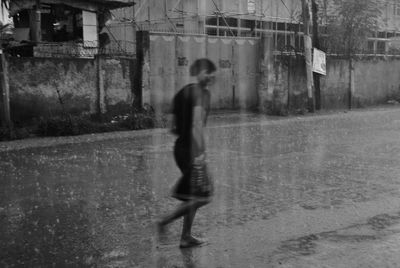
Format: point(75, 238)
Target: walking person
point(191, 106)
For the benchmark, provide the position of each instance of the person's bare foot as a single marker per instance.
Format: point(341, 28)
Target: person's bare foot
point(190, 241)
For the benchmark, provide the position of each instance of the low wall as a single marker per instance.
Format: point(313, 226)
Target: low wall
point(376, 80)
point(335, 85)
point(42, 87)
point(48, 87)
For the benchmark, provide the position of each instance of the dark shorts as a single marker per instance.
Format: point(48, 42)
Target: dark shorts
point(196, 182)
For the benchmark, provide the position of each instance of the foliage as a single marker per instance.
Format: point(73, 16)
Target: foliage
point(354, 21)
point(68, 125)
point(394, 96)
point(142, 119)
point(78, 125)
point(14, 134)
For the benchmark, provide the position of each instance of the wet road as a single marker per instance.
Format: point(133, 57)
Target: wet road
point(319, 191)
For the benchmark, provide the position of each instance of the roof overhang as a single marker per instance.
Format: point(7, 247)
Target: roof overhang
point(89, 5)
point(113, 4)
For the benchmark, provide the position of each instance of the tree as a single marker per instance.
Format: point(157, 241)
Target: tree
point(353, 23)
point(348, 31)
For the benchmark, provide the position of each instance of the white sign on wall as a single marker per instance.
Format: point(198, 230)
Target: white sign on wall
point(319, 62)
point(251, 6)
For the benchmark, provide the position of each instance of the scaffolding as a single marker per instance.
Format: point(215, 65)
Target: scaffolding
point(279, 19)
point(285, 30)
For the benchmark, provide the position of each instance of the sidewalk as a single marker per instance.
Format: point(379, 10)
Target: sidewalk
point(216, 119)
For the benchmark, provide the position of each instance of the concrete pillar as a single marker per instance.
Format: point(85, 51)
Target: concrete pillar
point(101, 96)
point(36, 23)
point(4, 93)
point(141, 85)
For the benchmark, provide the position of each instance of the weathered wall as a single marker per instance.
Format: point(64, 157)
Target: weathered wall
point(282, 87)
point(168, 58)
point(335, 85)
point(118, 85)
point(376, 80)
point(275, 83)
point(246, 79)
point(39, 86)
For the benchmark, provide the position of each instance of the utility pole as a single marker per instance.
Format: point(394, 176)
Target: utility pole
point(37, 23)
point(307, 52)
point(5, 93)
point(316, 76)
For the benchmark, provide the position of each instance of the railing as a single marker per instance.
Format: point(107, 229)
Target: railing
point(70, 49)
point(84, 50)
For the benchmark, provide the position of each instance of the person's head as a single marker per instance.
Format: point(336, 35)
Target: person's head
point(204, 70)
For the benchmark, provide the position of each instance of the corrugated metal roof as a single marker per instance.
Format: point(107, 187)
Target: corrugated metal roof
point(92, 5)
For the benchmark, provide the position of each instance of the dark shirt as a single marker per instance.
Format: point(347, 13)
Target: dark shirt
point(184, 101)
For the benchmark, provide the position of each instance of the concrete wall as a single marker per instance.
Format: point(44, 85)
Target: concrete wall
point(282, 86)
point(335, 85)
point(34, 83)
point(168, 57)
point(118, 85)
point(246, 79)
point(376, 80)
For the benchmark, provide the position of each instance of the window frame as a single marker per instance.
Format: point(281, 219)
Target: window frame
point(396, 10)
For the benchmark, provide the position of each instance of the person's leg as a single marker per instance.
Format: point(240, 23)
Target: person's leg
point(187, 240)
point(182, 210)
point(187, 224)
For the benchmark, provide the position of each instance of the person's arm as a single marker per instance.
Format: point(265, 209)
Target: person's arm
point(198, 131)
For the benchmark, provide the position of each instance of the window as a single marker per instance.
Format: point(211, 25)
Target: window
point(381, 47)
point(281, 26)
point(89, 20)
point(381, 34)
point(396, 9)
point(248, 24)
point(228, 32)
point(211, 21)
point(267, 25)
point(228, 21)
point(222, 21)
point(371, 46)
point(211, 31)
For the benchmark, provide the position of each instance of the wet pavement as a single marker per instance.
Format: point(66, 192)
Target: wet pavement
point(311, 191)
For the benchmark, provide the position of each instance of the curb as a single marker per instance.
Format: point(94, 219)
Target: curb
point(258, 119)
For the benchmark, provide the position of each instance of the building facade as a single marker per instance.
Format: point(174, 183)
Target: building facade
point(53, 28)
point(281, 18)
